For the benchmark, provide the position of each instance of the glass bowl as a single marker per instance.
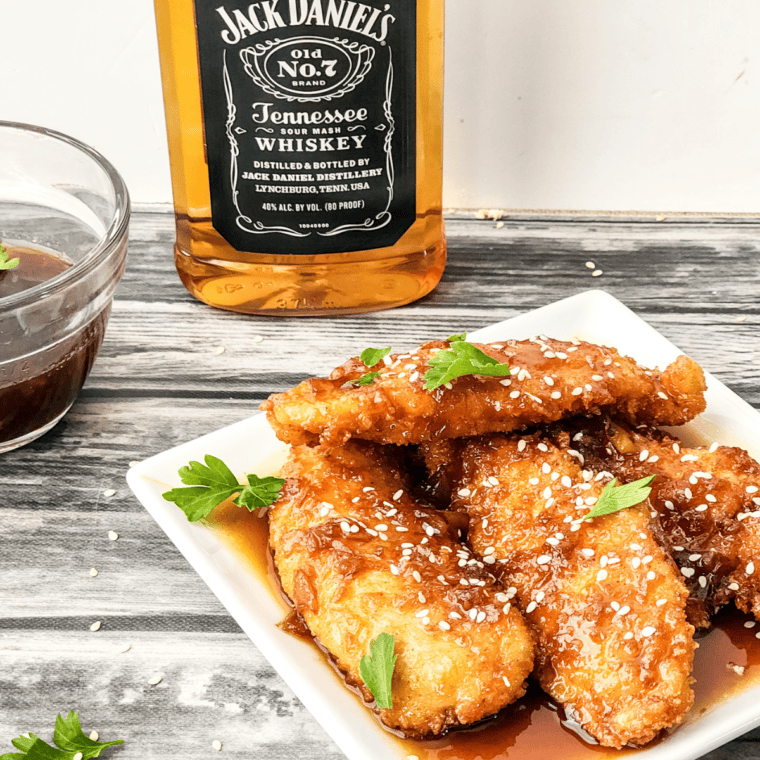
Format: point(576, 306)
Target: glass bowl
point(61, 198)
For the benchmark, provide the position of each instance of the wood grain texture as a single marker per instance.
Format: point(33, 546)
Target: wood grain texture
point(158, 382)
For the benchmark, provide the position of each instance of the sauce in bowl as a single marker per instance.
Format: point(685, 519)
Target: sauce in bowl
point(38, 389)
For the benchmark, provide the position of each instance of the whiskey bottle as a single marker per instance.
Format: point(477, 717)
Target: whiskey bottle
point(305, 140)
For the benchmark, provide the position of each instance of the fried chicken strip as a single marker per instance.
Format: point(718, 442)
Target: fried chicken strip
point(550, 380)
point(707, 501)
point(606, 603)
point(358, 557)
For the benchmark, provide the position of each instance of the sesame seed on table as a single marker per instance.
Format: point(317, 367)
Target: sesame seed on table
point(101, 613)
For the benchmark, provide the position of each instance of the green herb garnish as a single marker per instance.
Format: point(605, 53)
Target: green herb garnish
point(614, 499)
point(4, 262)
point(211, 484)
point(70, 740)
point(458, 337)
point(371, 356)
point(462, 359)
point(376, 669)
point(367, 378)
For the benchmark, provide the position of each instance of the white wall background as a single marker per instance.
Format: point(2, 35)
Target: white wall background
point(633, 105)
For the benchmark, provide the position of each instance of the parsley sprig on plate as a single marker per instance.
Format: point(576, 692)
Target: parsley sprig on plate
point(376, 669)
point(614, 499)
point(210, 484)
point(69, 738)
point(462, 359)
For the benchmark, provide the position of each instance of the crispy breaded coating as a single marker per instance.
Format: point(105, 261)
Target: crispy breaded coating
point(707, 501)
point(606, 603)
point(358, 557)
point(550, 380)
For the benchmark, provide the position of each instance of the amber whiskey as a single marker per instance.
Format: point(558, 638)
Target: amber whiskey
point(305, 139)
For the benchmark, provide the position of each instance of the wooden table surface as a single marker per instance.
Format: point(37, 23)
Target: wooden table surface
point(159, 381)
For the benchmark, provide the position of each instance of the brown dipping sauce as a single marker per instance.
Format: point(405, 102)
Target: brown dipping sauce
point(36, 390)
point(534, 727)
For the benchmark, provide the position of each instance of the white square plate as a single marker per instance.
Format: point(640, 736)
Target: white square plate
point(251, 446)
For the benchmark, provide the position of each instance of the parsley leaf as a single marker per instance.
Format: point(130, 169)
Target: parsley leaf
point(4, 263)
point(371, 356)
point(367, 378)
point(459, 336)
point(211, 484)
point(68, 736)
point(614, 499)
point(376, 669)
point(462, 359)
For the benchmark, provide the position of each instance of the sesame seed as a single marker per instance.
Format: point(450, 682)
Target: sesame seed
point(93, 572)
point(544, 559)
point(217, 745)
point(628, 635)
point(603, 560)
point(635, 563)
point(547, 492)
point(644, 455)
point(258, 338)
point(155, 680)
point(124, 648)
point(355, 499)
point(94, 735)
point(109, 492)
point(590, 265)
point(481, 617)
point(514, 394)
point(662, 395)
point(422, 613)
point(77, 756)
point(493, 481)
point(601, 575)
point(95, 626)
point(751, 489)
point(588, 552)
point(506, 382)
point(113, 535)
point(624, 610)
point(542, 447)
point(455, 616)
point(687, 571)
point(545, 468)
point(702, 581)
point(219, 350)
point(733, 586)
point(648, 630)
point(694, 557)
point(549, 380)
point(464, 582)
point(444, 626)
point(556, 394)
point(651, 575)
point(416, 575)
point(750, 568)
point(687, 493)
point(552, 541)
point(398, 494)
point(464, 492)
point(661, 602)
point(577, 391)
point(597, 273)
point(532, 606)
point(701, 508)
point(394, 570)
point(521, 444)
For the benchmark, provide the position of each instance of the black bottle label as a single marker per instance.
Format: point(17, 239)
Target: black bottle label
point(309, 109)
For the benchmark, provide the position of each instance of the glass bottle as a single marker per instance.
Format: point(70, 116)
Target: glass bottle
point(305, 139)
